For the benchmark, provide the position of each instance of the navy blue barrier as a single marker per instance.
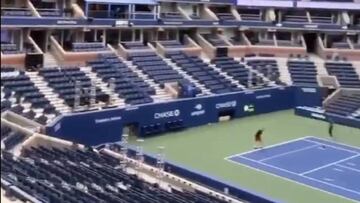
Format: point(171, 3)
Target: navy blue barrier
point(98, 127)
point(319, 115)
point(310, 96)
point(206, 180)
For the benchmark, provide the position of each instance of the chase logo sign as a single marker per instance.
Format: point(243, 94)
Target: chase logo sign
point(167, 114)
point(198, 110)
point(229, 104)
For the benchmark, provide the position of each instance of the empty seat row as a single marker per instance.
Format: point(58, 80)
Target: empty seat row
point(238, 72)
point(345, 74)
point(127, 84)
point(303, 73)
point(207, 76)
point(83, 175)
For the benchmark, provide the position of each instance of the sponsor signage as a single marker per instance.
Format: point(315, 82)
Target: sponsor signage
point(106, 120)
point(167, 114)
point(199, 110)
point(229, 104)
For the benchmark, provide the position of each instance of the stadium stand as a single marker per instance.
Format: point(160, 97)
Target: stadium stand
point(20, 95)
point(344, 105)
point(238, 71)
point(303, 72)
point(91, 71)
point(64, 81)
point(127, 84)
point(202, 72)
point(345, 74)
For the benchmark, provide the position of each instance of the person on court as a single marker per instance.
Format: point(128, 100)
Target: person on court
point(331, 128)
point(258, 139)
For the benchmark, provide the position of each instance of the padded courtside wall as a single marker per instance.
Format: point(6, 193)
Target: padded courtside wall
point(204, 179)
point(94, 128)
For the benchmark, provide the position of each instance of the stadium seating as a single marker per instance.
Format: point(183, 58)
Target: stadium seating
point(134, 45)
point(127, 84)
point(20, 95)
point(89, 46)
point(11, 138)
point(238, 71)
point(215, 40)
point(303, 73)
point(268, 67)
point(76, 175)
point(250, 14)
point(10, 48)
point(294, 17)
point(171, 16)
point(15, 12)
point(345, 73)
point(172, 44)
point(201, 71)
point(321, 17)
point(223, 13)
point(345, 105)
point(156, 68)
point(64, 80)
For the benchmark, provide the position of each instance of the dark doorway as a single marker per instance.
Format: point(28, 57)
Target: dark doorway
point(132, 130)
point(183, 33)
point(39, 36)
point(310, 40)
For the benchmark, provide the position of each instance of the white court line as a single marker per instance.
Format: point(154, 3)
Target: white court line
point(350, 168)
point(289, 152)
point(310, 178)
point(327, 165)
point(332, 142)
point(293, 181)
point(332, 146)
point(268, 147)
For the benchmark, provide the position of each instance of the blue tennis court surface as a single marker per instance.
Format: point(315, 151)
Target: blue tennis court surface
point(322, 164)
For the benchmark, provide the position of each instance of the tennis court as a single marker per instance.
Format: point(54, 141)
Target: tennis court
point(322, 164)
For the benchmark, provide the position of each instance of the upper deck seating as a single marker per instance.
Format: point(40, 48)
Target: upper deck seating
point(83, 175)
point(65, 80)
point(238, 71)
point(340, 45)
point(89, 46)
point(202, 72)
point(10, 48)
point(127, 84)
point(215, 40)
point(172, 44)
point(15, 12)
point(156, 68)
point(321, 17)
point(134, 45)
point(345, 73)
point(294, 16)
point(50, 12)
point(223, 13)
point(303, 72)
point(249, 14)
point(171, 16)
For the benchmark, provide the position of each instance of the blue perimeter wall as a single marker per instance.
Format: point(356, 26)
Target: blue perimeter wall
point(206, 180)
point(106, 126)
